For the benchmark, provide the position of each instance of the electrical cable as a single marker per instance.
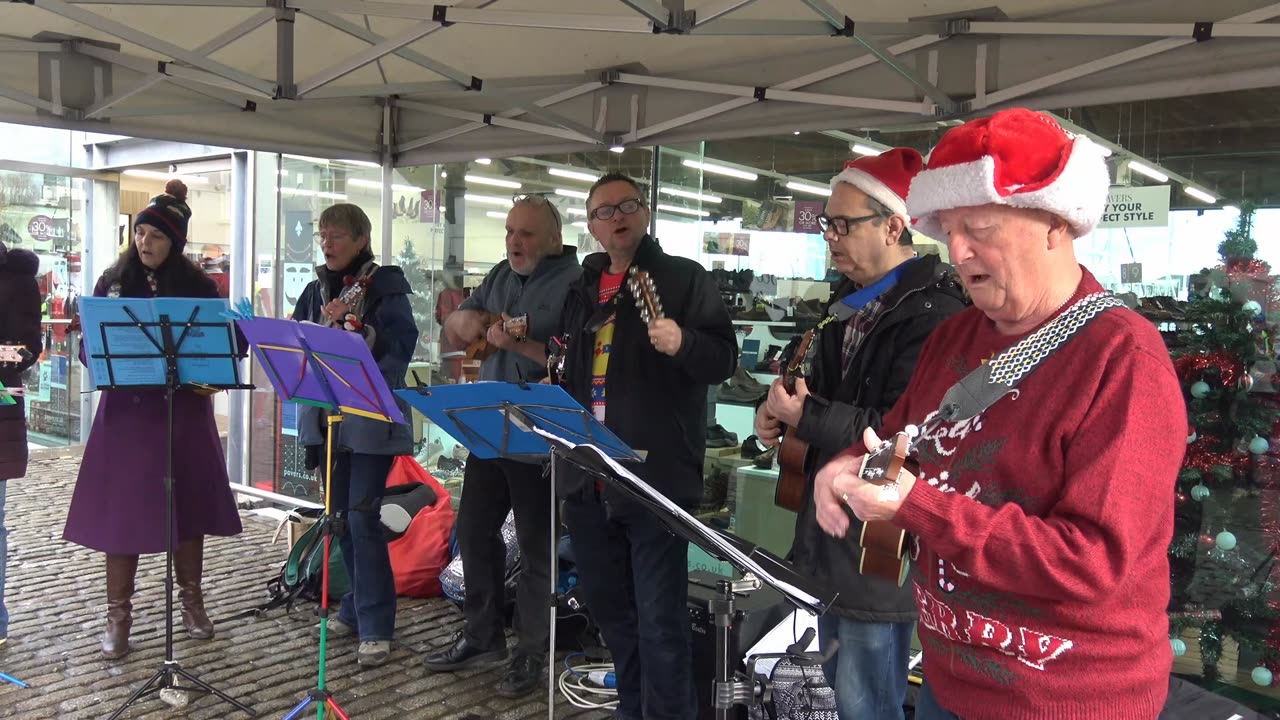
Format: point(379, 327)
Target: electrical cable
point(579, 683)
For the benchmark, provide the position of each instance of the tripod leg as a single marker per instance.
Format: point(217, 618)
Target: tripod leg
point(297, 709)
point(333, 705)
point(555, 578)
point(203, 686)
point(139, 693)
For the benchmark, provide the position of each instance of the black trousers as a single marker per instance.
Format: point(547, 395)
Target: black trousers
point(635, 578)
point(491, 489)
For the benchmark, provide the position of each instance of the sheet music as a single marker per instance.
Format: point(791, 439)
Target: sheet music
point(731, 553)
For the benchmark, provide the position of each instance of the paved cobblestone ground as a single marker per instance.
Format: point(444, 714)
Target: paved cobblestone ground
point(56, 599)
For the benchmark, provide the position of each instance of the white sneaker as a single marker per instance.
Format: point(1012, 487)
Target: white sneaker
point(373, 653)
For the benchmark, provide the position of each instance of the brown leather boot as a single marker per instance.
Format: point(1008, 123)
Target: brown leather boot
point(121, 570)
point(188, 567)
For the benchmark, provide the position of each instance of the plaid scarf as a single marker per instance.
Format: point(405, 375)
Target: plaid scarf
point(856, 330)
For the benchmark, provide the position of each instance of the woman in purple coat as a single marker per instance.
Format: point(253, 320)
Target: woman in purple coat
point(119, 503)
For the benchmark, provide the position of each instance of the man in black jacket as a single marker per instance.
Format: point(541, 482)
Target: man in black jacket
point(866, 350)
point(648, 383)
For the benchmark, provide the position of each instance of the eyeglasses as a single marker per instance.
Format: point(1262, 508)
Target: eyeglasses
point(626, 207)
point(841, 223)
point(334, 237)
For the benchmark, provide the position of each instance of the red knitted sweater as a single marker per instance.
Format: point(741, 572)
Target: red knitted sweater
point(1042, 525)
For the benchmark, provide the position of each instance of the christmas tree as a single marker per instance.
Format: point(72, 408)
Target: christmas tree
point(419, 278)
point(1226, 527)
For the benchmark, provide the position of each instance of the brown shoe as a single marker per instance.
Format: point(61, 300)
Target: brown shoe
point(121, 570)
point(188, 567)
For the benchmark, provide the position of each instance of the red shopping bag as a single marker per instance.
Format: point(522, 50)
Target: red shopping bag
point(418, 556)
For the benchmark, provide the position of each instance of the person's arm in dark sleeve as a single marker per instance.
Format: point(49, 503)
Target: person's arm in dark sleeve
point(836, 425)
point(27, 319)
point(708, 349)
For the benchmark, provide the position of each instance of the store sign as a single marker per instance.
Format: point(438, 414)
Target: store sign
point(430, 209)
point(724, 243)
point(806, 216)
point(1131, 272)
point(1129, 207)
point(43, 228)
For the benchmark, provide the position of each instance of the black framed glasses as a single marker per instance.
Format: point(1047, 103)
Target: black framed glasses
point(842, 223)
point(626, 207)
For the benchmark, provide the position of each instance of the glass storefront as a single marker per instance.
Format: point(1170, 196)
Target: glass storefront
point(745, 209)
point(45, 214)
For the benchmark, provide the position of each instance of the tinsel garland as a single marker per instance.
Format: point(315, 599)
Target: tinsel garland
point(1192, 367)
point(1210, 648)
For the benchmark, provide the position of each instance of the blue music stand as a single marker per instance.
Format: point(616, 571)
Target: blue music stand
point(163, 343)
point(503, 420)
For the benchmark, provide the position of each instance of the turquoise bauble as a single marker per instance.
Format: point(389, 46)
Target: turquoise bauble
point(1225, 540)
point(1199, 493)
point(1259, 445)
point(1261, 676)
point(1179, 647)
point(1199, 389)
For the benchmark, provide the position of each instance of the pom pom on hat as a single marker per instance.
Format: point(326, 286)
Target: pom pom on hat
point(1018, 158)
point(885, 177)
point(169, 213)
point(177, 189)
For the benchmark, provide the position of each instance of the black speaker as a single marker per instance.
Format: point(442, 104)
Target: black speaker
point(757, 613)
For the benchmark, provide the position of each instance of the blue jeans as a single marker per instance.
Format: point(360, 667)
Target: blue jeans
point(869, 671)
point(634, 576)
point(927, 707)
point(4, 558)
point(359, 482)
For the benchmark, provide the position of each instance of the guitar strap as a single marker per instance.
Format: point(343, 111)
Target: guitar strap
point(982, 387)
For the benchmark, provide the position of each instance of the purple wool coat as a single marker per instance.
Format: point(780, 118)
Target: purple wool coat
point(119, 502)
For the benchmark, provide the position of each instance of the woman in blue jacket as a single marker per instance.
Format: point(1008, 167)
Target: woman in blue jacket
point(353, 292)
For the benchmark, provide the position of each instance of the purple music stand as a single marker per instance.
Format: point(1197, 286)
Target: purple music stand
point(331, 369)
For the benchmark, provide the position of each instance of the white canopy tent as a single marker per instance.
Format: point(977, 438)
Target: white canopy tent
point(410, 83)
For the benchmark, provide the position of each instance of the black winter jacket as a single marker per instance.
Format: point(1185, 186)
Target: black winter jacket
point(19, 325)
point(840, 408)
point(655, 402)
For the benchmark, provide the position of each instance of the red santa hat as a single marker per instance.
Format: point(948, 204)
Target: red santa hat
point(1018, 158)
point(884, 177)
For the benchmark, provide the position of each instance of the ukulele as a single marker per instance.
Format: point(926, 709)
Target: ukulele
point(555, 360)
point(789, 493)
point(883, 543)
point(353, 290)
point(13, 354)
point(517, 327)
point(640, 283)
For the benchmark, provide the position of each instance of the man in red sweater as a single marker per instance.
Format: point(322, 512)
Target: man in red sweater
point(1040, 525)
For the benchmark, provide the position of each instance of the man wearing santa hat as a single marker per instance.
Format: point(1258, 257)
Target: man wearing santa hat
point(1042, 505)
point(863, 355)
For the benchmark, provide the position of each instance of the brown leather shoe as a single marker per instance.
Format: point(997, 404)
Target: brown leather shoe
point(188, 567)
point(121, 570)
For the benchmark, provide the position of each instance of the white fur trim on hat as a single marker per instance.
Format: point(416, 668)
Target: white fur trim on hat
point(1079, 195)
point(873, 187)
